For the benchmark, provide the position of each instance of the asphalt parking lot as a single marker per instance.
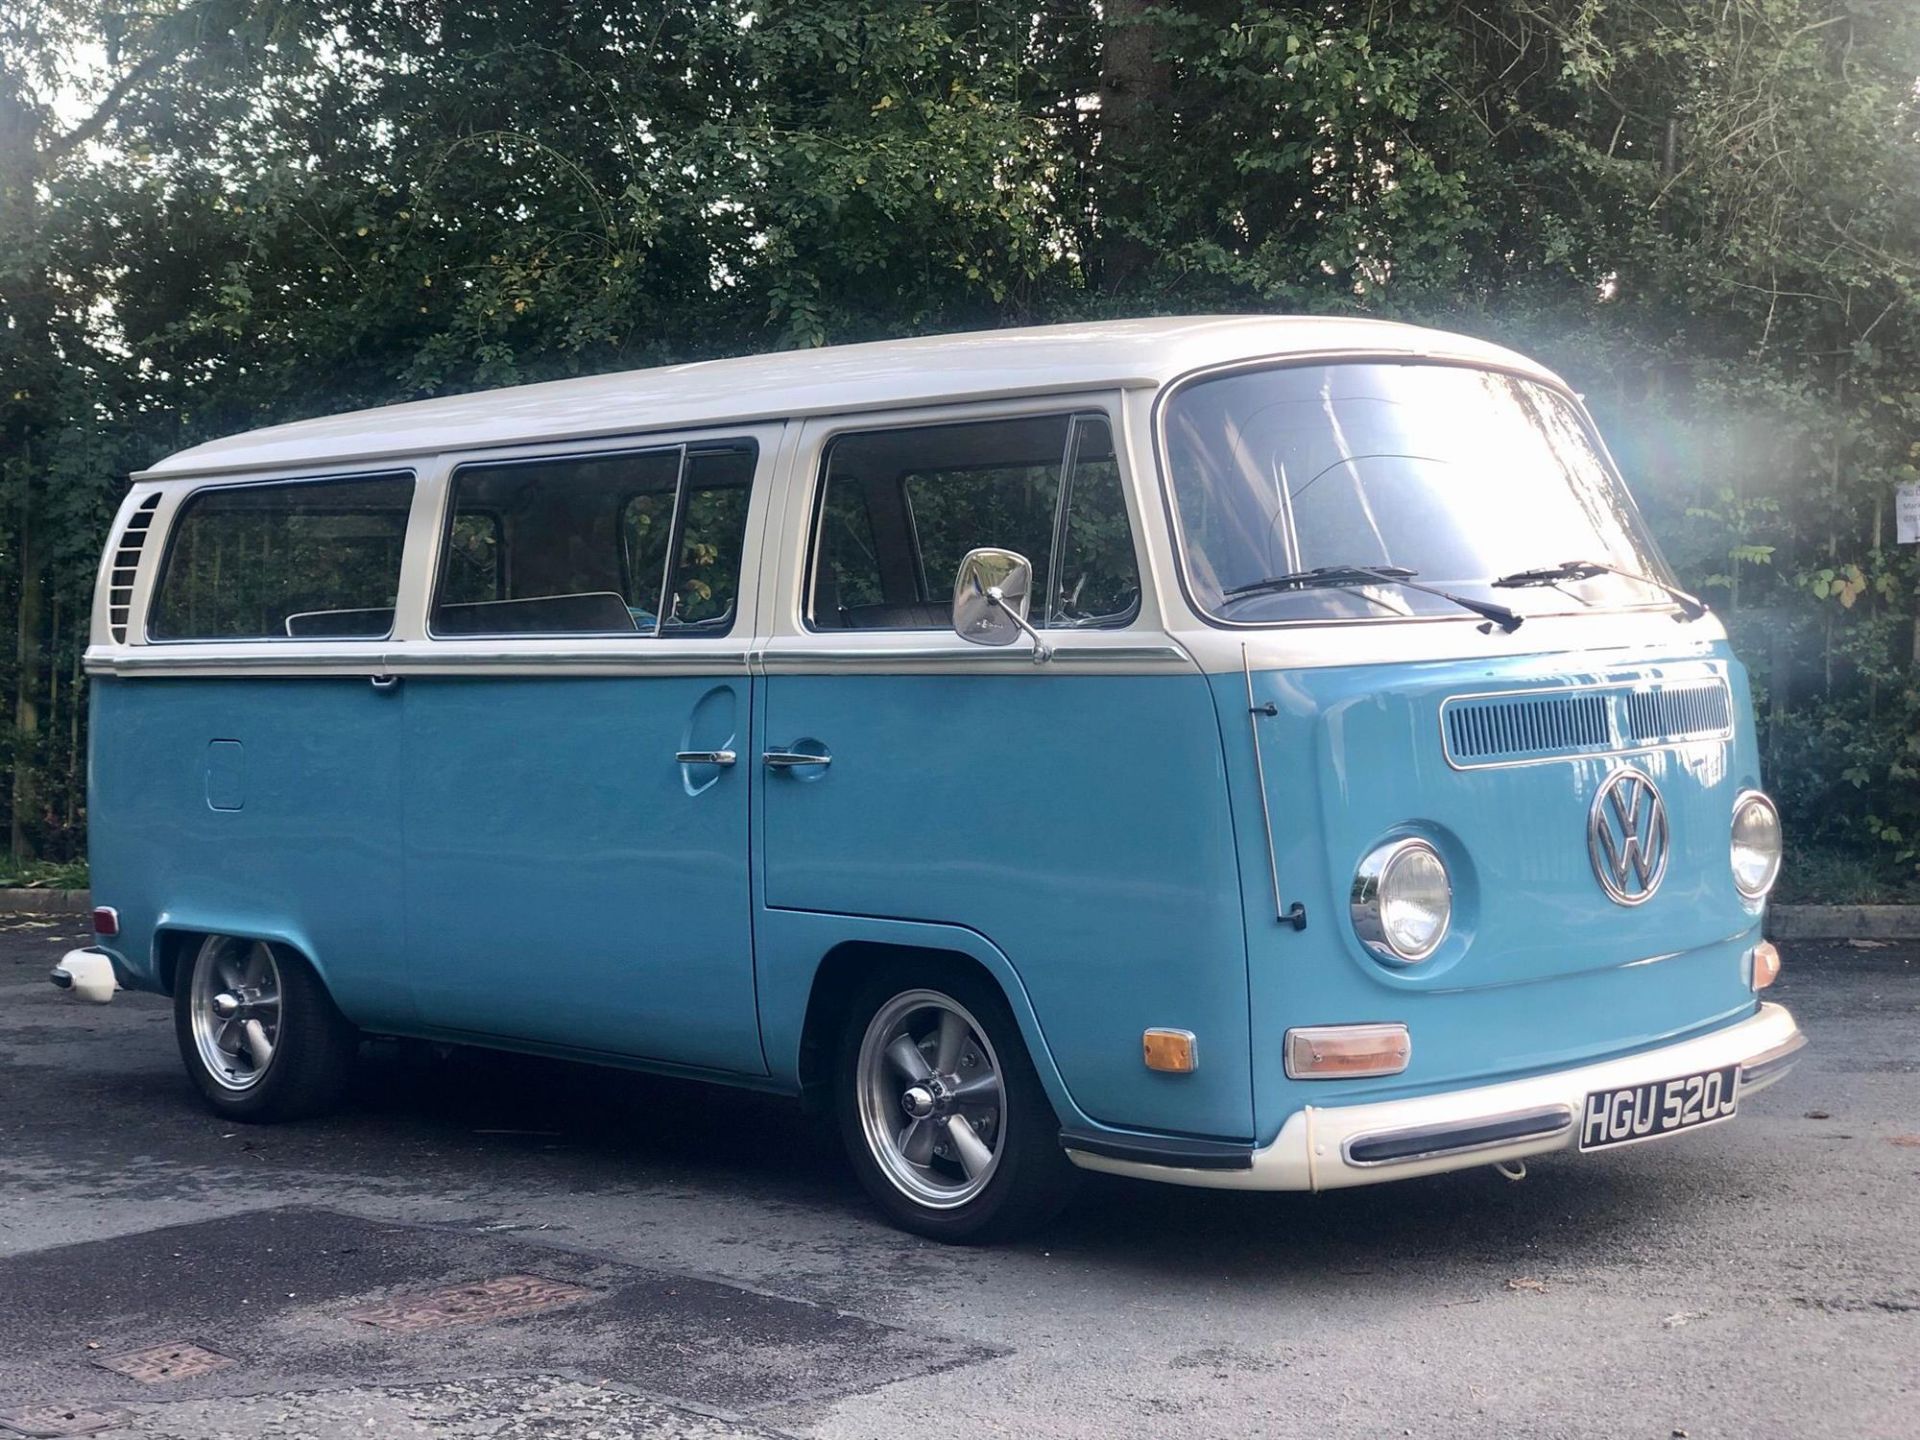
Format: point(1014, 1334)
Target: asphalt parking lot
point(664, 1260)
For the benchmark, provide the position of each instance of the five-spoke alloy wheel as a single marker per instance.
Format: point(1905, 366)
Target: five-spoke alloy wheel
point(260, 1036)
point(235, 1002)
point(941, 1111)
point(931, 1098)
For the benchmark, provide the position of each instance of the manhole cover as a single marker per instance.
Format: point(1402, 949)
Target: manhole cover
point(182, 1360)
point(503, 1298)
point(48, 1420)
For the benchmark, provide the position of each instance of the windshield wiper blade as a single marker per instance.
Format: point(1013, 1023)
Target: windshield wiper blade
point(1692, 607)
point(1333, 576)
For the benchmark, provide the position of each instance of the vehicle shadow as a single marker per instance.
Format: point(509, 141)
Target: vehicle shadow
point(594, 1128)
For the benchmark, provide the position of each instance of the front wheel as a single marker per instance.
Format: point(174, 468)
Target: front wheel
point(260, 1036)
point(941, 1112)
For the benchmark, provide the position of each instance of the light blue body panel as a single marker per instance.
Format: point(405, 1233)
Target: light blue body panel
point(1540, 969)
point(521, 860)
point(1080, 824)
point(569, 883)
point(266, 808)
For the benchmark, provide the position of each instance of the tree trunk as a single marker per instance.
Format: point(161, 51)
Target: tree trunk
point(1135, 97)
point(26, 704)
point(27, 296)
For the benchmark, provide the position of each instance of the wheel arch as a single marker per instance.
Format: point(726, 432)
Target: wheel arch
point(175, 940)
point(842, 966)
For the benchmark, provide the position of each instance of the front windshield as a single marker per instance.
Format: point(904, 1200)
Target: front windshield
point(1460, 475)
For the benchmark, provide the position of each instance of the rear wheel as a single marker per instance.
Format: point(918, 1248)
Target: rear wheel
point(941, 1112)
point(260, 1036)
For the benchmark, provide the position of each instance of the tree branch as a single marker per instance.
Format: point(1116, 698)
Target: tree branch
point(149, 65)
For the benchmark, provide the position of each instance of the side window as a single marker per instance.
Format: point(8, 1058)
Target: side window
point(646, 543)
point(899, 508)
point(316, 559)
point(474, 556)
point(953, 511)
point(1098, 580)
point(706, 577)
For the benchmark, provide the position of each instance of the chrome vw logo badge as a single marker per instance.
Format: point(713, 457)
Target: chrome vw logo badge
point(1627, 837)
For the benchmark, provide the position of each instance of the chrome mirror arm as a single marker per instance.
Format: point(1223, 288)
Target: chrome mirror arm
point(1042, 652)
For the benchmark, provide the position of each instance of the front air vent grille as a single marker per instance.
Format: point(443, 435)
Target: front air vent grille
point(1562, 724)
point(126, 562)
point(1679, 713)
point(1533, 725)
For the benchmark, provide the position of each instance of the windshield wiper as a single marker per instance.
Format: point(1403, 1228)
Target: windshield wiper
point(1692, 607)
point(1324, 577)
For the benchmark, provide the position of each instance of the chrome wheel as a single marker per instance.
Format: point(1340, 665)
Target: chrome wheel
point(932, 1105)
point(235, 1008)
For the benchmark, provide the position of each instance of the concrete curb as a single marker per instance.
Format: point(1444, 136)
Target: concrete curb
point(46, 902)
point(1844, 922)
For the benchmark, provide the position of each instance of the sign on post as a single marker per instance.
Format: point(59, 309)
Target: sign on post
point(1906, 514)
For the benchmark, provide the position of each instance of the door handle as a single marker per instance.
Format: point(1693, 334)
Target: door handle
point(794, 760)
point(721, 758)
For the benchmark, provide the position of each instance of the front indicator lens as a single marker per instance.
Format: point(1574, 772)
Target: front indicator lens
point(1346, 1052)
point(1756, 845)
point(1402, 901)
point(1763, 965)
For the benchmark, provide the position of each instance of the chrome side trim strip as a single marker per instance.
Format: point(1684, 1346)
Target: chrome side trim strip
point(972, 657)
point(1424, 1142)
point(660, 655)
point(361, 663)
point(167, 661)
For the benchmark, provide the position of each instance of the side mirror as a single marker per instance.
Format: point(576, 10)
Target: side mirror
point(991, 595)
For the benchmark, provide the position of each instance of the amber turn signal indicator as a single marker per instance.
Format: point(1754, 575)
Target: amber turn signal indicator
point(1764, 964)
point(1174, 1051)
point(1347, 1052)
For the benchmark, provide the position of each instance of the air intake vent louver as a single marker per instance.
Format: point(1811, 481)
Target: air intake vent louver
point(1534, 726)
point(126, 560)
point(1557, 725)
point(1677, 714)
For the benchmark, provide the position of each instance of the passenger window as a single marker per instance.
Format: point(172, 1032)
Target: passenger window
point(314, 559)
point(900, 508)
point(1099, 579)
point(706, 577)
point(474, 557)
point(646, 543)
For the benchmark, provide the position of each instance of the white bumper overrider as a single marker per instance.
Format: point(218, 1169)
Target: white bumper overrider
point(1326, 1147)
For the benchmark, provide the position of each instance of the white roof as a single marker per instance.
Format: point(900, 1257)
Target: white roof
point(888, 373)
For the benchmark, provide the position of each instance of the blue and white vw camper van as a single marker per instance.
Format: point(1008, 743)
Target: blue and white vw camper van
point(1242, 752)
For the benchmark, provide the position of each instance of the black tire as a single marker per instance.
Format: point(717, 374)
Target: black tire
point(313, 1046)
point(1030, 1178)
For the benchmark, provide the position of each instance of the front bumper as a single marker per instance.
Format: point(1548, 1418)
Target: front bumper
point(1329, 1147)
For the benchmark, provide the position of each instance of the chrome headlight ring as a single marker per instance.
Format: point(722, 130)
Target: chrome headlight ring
point(1402, 901)
point(1754, 844)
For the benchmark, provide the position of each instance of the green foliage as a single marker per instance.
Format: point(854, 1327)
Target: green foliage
point(1706, 216)
point(43, 875)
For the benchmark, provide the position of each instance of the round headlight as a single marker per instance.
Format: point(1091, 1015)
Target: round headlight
point(1402, 901)
point(1756, 845)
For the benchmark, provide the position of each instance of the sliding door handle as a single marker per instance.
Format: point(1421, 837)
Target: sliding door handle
point(794, 760)
point(706, 757)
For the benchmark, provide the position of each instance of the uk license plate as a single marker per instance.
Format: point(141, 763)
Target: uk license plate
point(1660, 1107)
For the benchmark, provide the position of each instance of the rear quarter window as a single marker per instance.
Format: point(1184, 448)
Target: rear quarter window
point(303, 559)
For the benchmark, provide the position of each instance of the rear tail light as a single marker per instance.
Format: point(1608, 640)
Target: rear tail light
point(106, 921)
